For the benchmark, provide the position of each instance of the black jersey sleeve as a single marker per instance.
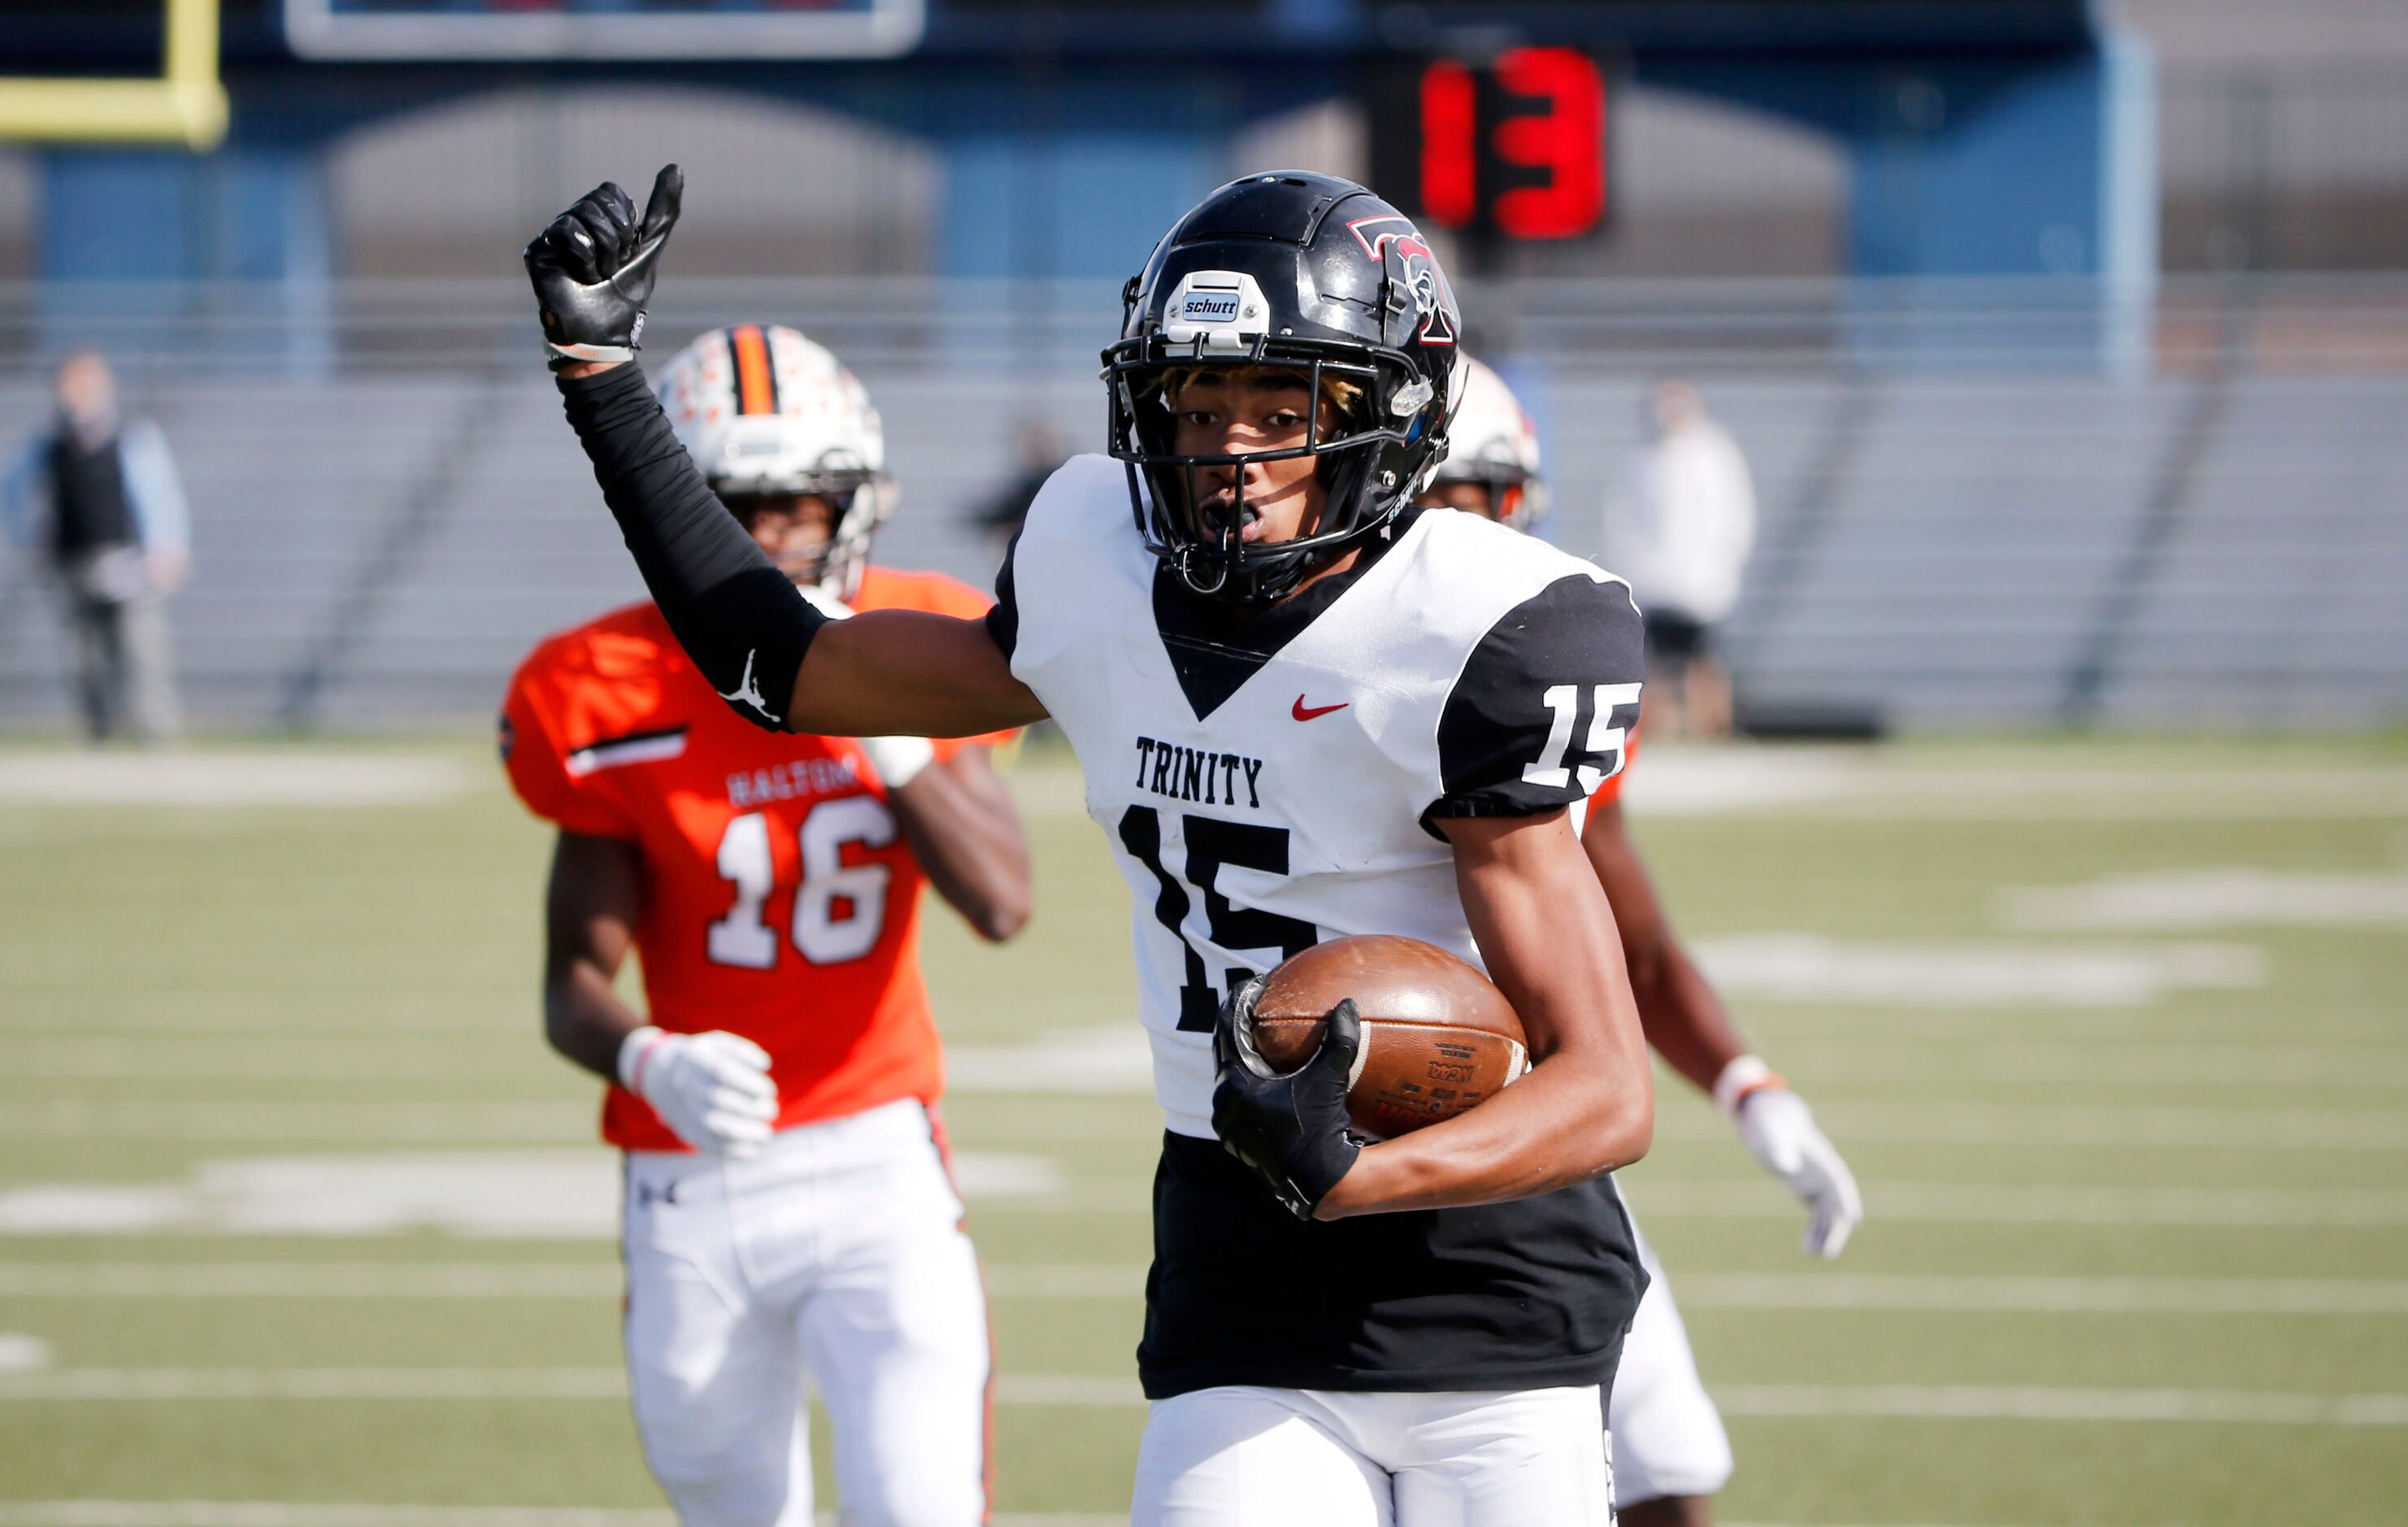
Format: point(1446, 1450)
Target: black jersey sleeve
point(1541, 713)
point(1003, 617)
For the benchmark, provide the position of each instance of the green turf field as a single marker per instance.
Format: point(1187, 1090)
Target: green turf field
point(2115, 1034)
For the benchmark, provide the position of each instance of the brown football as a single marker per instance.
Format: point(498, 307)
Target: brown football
point(1438, 1036)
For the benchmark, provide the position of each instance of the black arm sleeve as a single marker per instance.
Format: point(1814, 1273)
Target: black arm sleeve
point(740, 619)
point(1540, 716)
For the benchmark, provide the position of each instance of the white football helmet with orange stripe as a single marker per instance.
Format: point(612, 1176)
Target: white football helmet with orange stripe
point(1495, 444)
point(766, 411)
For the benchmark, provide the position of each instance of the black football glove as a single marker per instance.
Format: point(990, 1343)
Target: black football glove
point(1291, 1128)
point(593, 270)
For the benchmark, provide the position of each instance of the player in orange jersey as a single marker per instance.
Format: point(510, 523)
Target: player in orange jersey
point(788, 1204)
point(1671, 1455)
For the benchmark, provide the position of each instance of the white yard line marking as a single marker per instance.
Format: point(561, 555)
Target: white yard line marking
point(1855, 783)
point(1797, 967)
point(125, 1013)
point(20, 1353)
point(311, 1280)
point(526, 1194)
point(2165, 799)
point(2013, 793)
point(1068, 1389)
point(298, 1514)
point(456, 1280)
point(1087, 1281)
point(2061, 1125)
point(58, 1384)
point(127, 1384)
point(292, 1514)
point(1067, 1280)
point(1898, 1401)
point(2186, 901)
point(217, 1058)
point(279, 778)
point(1953, 1402)
point(1108, 1057)
point(549, 1120)
point(2172, 1062)
point(2042, 1295)
point(2035, 1203)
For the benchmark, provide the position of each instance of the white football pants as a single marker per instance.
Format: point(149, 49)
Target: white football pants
point(1312, 1458)
point(837, 1252)
point(1667, 1436)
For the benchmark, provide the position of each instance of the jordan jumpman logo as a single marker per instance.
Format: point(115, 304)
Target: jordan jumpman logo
point(748, 692)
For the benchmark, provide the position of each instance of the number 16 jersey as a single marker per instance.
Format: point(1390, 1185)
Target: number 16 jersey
point(780, 899)
point(1271, 779)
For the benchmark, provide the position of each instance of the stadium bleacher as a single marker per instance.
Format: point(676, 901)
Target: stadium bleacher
point(1946, 544)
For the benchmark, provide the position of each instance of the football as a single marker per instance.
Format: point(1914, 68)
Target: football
point(1438, 1036)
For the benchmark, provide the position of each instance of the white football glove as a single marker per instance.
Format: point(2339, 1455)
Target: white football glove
point(897, 759)
point(713, 1089)
point(1779, 1131)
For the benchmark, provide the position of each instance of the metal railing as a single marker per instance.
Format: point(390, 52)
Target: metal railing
point(2180, 324)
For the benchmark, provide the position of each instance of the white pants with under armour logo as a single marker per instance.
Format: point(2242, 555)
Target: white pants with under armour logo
point(1312, 1458)
point(835, 1257)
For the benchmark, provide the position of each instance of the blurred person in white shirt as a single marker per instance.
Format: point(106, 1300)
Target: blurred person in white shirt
point(1680, 528)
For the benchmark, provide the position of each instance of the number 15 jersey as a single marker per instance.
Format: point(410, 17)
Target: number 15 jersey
point(1270, 780)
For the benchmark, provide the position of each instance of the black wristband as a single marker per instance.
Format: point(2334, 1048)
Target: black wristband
point(741, 620)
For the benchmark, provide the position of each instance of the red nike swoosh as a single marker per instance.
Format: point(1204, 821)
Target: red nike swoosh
point(1302, 713)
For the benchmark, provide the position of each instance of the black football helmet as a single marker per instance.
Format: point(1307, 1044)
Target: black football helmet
point(1289, 269)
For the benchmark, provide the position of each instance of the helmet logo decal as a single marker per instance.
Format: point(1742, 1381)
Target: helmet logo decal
point(1209, 308)
point(1422, 276)
point(1216, 310)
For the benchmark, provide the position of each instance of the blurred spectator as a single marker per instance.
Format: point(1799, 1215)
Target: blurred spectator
point(1680, 529)
point(1039, 450)
point(98, 496)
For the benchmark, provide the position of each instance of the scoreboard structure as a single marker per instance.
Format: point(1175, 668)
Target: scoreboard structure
point(602, 29)
point(1982, 137)
point(1509, 147)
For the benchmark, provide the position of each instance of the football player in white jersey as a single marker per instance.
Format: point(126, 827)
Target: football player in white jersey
point(1671, 1454)
point(1304, 710)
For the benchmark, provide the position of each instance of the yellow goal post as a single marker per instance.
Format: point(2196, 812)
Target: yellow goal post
point(186, 104)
